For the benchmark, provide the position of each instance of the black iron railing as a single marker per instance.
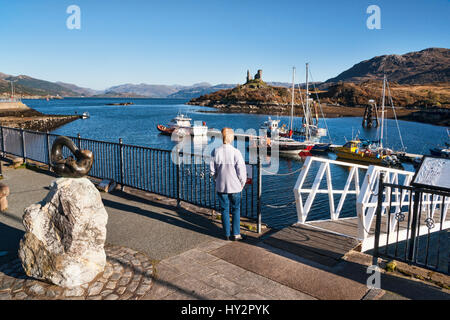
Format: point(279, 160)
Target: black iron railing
point(418, 232)
point(149, 169)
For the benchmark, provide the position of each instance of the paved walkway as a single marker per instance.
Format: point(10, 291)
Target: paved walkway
point(191, 261)
point(199, 274)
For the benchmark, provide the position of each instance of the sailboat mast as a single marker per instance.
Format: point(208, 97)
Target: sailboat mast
point(307, 115)
point(292, 102)
point(382, 111)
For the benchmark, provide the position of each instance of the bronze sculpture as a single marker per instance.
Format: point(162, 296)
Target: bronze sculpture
point(70, 167)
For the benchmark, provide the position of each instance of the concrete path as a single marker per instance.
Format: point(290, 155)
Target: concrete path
point(191, 261)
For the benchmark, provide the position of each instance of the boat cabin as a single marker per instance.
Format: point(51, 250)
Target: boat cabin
point(353, 145)
point(180, 121)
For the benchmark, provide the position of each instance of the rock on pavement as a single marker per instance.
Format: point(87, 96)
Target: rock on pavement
point(65, 234)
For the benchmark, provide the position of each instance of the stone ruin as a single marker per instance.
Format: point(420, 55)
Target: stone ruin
point(258, 76)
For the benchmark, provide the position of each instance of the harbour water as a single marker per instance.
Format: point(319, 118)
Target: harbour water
point(136, 124)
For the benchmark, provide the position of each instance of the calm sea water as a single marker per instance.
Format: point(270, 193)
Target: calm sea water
point(136, 124)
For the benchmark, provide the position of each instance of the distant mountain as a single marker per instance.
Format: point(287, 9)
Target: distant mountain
point(198, 90)
point(421, 67)
point(145, 90)
point(79, 90)
point(428, 66)
point(30, 86)
point(166, 91)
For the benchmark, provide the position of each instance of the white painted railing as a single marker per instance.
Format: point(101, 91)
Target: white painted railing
point(325, 169)
point(366, 194)
point(366, 204)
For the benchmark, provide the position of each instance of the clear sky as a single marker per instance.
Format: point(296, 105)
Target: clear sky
point(185, 42)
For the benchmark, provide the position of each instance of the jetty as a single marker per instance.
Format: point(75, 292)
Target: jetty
point(14, 113)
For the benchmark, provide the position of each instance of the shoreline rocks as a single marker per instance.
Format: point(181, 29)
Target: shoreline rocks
point(440, 117)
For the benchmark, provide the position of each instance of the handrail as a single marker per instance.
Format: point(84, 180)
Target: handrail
point(143, 168)
point(366, 193)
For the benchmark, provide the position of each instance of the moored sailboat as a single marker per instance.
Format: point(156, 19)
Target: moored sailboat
point(282, 138)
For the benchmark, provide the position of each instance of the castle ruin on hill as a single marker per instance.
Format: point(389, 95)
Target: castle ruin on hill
point(258, 76)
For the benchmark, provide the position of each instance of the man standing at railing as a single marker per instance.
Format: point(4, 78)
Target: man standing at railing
point(228, 168)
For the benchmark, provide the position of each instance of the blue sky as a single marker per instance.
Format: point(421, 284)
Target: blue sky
point(185, 42)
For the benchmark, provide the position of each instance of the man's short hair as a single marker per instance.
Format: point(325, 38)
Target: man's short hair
point(227, 135)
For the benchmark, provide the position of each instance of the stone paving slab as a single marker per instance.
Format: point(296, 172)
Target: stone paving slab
point(127, 275)
point(197, 274)
point(312, 281)
point(312, 243)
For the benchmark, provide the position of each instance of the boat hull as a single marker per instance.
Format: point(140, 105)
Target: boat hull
point(439, 153)
point(358, 157)
point(165, 130)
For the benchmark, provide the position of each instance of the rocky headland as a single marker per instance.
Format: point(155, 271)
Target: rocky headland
point(428, 103)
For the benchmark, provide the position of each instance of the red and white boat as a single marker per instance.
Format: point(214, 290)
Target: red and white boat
point(181, 125)
point(165, 130)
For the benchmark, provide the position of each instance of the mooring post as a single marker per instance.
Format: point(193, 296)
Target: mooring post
point(24, 155)
point(259, 181)
point(49, 157)
point(122, 169)
point(378, 218)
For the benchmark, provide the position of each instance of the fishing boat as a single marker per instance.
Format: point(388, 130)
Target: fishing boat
point(372, 151)
point(356, 150)
point(165, 130)
point(85, 115)
point(181, 125)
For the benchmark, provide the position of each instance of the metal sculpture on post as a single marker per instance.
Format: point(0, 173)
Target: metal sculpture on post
point(66, 232)
point(70, 167)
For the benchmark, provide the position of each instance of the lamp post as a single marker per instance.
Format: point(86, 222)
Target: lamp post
point(12, 88)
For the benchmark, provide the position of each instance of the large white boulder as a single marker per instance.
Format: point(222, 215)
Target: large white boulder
point(65, 234)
